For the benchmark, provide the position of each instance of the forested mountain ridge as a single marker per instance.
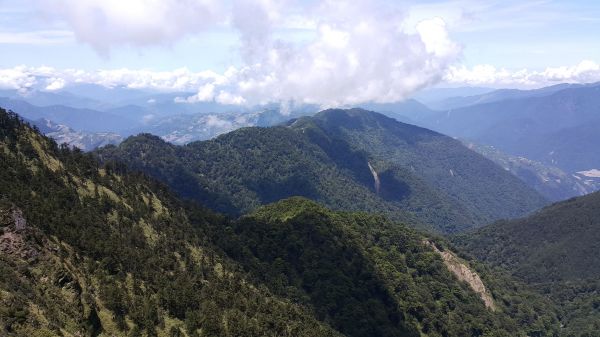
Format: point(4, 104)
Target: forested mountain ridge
point(554, 250)
point(94, 250)
point(422, 175)
point(483, 188)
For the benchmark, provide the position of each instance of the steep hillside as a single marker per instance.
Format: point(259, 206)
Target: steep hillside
point(555, 250)
point(94, 251)
point(91, 250)
point(553, 244)
point(483, 188)
point(365, 272)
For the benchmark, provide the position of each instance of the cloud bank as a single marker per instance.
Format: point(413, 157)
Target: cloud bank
point(351, 53)
point(228, 88)
point(584, 72)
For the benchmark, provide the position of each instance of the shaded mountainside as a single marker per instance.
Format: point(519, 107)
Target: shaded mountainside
point(550, 181)
point(92, 250)
point(481, 187)
point(422, 175)
point(555, 244)
point(555, 250)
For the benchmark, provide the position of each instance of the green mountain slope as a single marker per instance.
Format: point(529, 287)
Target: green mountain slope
point(365, 274)
point(419, 174)
point(554, 250)
point(91, 250)
point(481, 187)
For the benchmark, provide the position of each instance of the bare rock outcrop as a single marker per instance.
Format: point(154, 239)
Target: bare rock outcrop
point(465, 274)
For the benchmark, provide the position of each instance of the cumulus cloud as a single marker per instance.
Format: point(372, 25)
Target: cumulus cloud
point(584, 72)
point(107, 23)
point(55, 83)
point(360, 52)
point(16, 78)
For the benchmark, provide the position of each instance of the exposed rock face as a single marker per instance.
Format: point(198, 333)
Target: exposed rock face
point(464, 273)
point(18, 220)
point(13, 235)
point(377, 182)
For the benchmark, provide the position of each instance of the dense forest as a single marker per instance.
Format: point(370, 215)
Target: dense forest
point(424, 178)
point(554, 250)
point(94, 249)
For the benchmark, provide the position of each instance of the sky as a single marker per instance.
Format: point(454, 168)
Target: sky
point(326, 52)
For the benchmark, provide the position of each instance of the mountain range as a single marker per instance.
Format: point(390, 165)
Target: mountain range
point(555, 126)
point(544, 141)
point(93, 249)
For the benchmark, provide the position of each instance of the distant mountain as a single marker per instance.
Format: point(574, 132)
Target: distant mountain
point(556, 250)
point(459, 101)
point(86, 141)
point(408, 111)
point(185, 128)
point(96, 250)
point(551, 182)
point(433, 97)
point(79, 119)
point(49, 98)
point(346, 159)
point(556, 129)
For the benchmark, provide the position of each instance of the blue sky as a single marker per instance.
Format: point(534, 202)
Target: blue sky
point(496, 43)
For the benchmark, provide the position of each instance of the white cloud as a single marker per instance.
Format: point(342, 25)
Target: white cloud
point(55, 83)
point(107, 23)
point(329, 84)
point(359, 53)
point(16, 78)
point(584, 72)
point(225, 97)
